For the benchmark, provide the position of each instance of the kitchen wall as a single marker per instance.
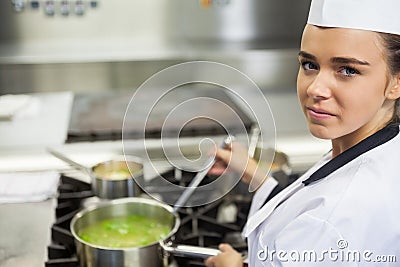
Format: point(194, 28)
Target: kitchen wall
point(120, 43)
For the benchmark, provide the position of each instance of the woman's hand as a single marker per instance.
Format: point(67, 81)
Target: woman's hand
point(227, 258)
point(237, 158)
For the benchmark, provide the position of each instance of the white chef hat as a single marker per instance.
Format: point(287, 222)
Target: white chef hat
point(372, 15)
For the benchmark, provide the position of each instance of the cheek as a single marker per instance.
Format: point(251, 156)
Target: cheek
point(301, 88)
point(356, 102)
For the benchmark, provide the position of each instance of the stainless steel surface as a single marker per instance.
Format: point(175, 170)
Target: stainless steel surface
point(151, 255)
point(91, 255)
point(292, 137)
point(74, 164)
point(25, 233)
point(109, 188)
point(117, 20)
point(159, 25)
point(70, 53)
point(128, 109)
point(116, 188)
point(249, 22)
point(188, 251)
point(254, 137)
point(271, 70)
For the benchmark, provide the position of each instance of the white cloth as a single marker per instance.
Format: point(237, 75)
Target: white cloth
point(41, 122)
point(372, 15)
point(27, 187)
point(12, 105)
point(353, 212)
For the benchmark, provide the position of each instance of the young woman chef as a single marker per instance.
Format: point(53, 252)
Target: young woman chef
point(345, 210)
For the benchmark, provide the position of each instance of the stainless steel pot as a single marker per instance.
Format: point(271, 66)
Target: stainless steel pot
point(116, 178)
point(149, 256)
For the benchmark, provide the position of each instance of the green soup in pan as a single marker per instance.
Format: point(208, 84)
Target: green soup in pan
point(125, 231)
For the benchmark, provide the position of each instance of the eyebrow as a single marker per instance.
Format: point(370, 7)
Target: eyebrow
point(346, 60)
point(307, 55)
point(340, 60)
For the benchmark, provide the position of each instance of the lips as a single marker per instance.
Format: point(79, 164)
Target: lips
point(319, 113)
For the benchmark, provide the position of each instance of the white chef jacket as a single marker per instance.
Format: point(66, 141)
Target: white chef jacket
point(349, 218)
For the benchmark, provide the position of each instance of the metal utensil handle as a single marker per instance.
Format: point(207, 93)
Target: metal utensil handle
point(69, 161)
point(194, 251)
point(254, 136)
point(189, 251)
point(199, 176)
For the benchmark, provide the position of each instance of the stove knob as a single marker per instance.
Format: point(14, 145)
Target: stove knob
point(64, 8)
point(79, 8)
point(18, 5)
point(49, 8)
point(93, 4)
point(35, 4)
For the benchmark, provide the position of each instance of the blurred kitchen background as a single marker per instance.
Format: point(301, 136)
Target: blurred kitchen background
point(68, 69)
point(81, 46)
point(96, 53)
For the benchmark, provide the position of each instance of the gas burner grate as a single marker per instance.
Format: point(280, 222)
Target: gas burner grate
point(199, 226)
point(71, 192)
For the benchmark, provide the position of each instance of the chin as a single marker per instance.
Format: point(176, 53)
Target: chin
point(320, 131)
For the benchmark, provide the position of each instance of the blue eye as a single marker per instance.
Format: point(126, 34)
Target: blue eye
point(309, 66)
point(348, 71)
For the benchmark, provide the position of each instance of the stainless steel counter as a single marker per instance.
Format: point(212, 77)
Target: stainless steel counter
point(25, 233)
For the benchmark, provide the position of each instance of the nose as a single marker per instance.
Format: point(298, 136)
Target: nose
point(319, 88)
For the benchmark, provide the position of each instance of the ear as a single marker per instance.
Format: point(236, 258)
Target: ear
point(393, 91)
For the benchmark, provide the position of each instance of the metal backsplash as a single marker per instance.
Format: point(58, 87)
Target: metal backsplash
point(120, 43)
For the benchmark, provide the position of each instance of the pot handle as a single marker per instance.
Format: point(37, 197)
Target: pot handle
point(188, 251)
point(194, 251)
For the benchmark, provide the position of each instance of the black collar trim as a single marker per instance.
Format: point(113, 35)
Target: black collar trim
point(380, 137)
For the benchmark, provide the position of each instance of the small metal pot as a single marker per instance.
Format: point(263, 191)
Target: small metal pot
point(117, 178)
point(91, 255)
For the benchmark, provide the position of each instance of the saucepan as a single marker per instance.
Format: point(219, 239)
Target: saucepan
point(115, 178)
point(102, 252)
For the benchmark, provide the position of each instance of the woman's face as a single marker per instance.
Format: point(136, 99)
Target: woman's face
point(342, 82)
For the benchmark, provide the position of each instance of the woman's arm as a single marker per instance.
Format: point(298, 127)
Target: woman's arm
point(236, 158)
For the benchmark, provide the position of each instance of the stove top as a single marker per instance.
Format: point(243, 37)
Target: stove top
point(99, 116)
point(204, 226)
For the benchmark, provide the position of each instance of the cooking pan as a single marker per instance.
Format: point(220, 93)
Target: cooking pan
point(151, 255)
point(116, 178)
